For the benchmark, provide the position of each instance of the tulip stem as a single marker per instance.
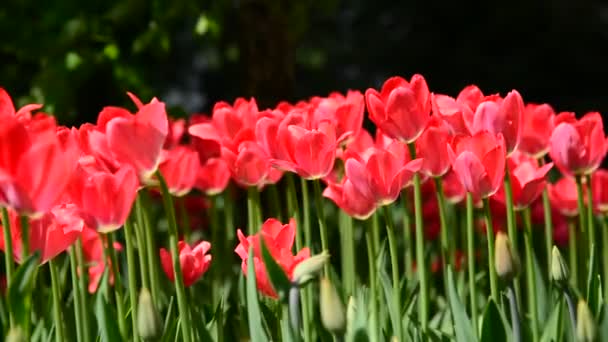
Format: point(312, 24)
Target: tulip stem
point(514, 313)
point(581, 203)
point(307, 297)
point(55, 288)
point(8, 253)
point(253, 210)
point(392, 243)
point(590, 220)
point(572, 253)
point(150, 245)
point(182, 303)
point(120, 306)
point(132, 278)
point(548, 223)
point(421, 267)
point(490, 235)
point(322, 223)
point(530, 275)
point(82, 289)
point(604, 232)
point(446, 256)
point(571, 308)
point(373, 295)
point(24, 221)
point(512, 226)
point(348, 253)
point(140, 235)
point(79, 316)
point(407, 232)
point(471, 261)
point(277, 209)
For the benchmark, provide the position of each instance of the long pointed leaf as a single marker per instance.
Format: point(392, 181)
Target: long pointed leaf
point(253, 305)
point(462, 323)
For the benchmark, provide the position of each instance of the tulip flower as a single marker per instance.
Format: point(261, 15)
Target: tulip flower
point(599, 186)
point(349, 199)
point(538, 124)
point(92, 247)
point(563, 195)
point(382, 173)
point(179, 167)
point(279, 239)
point(456, 115)
point(344, 112)
point(50, 234)
point(194, 261)
point(432, 147)
point(7, 108)
point(501, 116)
point(578, 146)
point(401, 109)
point(479, 162)
point(212, 177)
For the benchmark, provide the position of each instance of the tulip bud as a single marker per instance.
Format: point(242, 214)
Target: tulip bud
point(149, 322)
point(351, 309)
point(307, 269)
point(559, 269)
point(586, 329)
point(15, 335)
point(506, 261)
point(332, 309)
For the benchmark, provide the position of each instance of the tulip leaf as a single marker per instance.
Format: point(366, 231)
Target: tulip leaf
point(276, 275)
point(106, 318)
point(603, 324)
point(21, 288)
point(462, 323)
point(594, 295)
point(551, 330)
point(492, 327)
point(256, 330)
point(388, 293)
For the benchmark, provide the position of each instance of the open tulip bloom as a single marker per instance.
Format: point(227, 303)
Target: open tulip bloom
point(389, 213)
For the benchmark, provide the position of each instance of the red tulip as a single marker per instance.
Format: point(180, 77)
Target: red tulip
point(527, 180)
point(279, 239)
point(249, 165)
point(349, 199)
point(501, 116)
point(179, 167)
point(400, 109)
point(105, 198)
point(50, 234)
point(137, 139)
point(7, 108)
point(458, 116)
point(578, 147)
point(453, 190)
point(193, 261)
point(432, 147)
point(92, 247)
point(344, 112)
point(212, 177)
point(538, 123)
point(175, 133)
point(382, 173)
point(471, 96)
point(599, 186)
point(564, 195)
point(479, 162)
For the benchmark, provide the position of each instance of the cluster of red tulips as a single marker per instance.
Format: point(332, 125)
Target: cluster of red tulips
point(91, 191)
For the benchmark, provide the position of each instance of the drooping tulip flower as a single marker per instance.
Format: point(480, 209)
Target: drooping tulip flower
point(563, 195)
point(479, 162)
point(51, 234)
point(136, 139)
point(194, 261)
point(349, 199)
point(212, 177)
point(578, 146)
point(382, 173)
point(401, 109)
point(432, 147)
point(599, 187)
point(35, 168)
point(502, 116)
point(527, 178)
point(279, 239)
point(92, 248)
point(179, 167)
point(538, 124)
point(105, 198)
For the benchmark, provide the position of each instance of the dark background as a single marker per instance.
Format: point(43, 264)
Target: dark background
point(76, 56)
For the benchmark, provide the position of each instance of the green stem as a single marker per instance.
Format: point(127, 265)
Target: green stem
point(307, 295)
point(407, 230)
point(8, 254)
point(253, 210)
point(530, 276)
point(306, 210)
point(132, 278)
point(471, 261)
point(24, 221)
point(373, 289)
point(57, 303)
point(120, 305)
point(590, 220)
point(446, 256)
point(423, 312)
point(275, 206)
point(78, 314)
point(581, 203)
point(548, 224)
point(511, 227)
point(392, 243)
point(322, 223)
point(491, 266)
point(140, 234)
point(572, 252)
point(514, 313)
point(182, 303)
point(150, 246)
point(82, 289)
point(604, 231)
point(183, 212)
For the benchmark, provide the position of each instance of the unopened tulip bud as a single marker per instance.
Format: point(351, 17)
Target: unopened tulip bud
point(506, 261)
point(308, 268)
point(332, 309)
point(586, 329)
point(15, 335)
point(559, 269)
point(351, 309)
point(149, 322)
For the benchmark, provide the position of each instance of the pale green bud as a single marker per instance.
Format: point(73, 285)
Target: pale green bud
point(333, 316)
point(149, 323)
point(586, 329)
point(307, 269)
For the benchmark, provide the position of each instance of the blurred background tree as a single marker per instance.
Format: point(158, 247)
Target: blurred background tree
point(76, 57)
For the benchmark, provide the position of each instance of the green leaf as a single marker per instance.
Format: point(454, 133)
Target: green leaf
point(492, 328)
point(603, 324)
point(253, 305)
point(388, 293)
point(20, 290)
point(462, 323)
point(276, 275)
point(106, 318)
point(551, 329)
